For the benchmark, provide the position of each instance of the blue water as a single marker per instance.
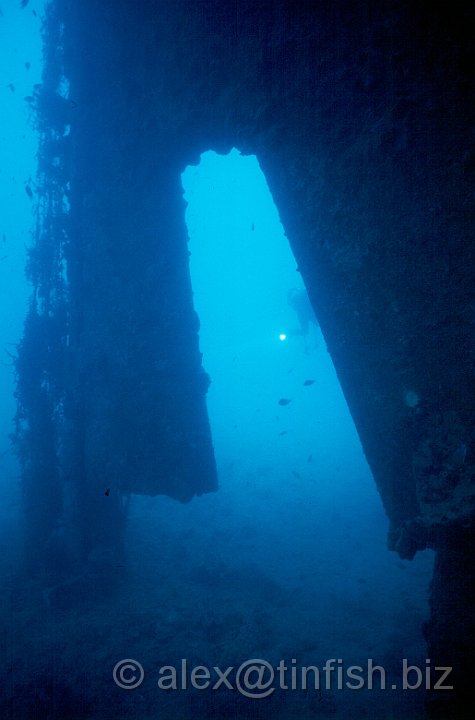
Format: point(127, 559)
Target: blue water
point(286, 562)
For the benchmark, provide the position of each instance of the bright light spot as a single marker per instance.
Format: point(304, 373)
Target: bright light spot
point(282, 337)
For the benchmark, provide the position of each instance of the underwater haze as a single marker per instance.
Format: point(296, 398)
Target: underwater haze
point(285, 565)
point(20, 70)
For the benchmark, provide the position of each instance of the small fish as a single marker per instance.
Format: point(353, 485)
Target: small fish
point(107, 492)
point(284, 401)
point(29, 191)
point(296, 474)
point(11, 87)
point(24, 3)
point(284, 432)
point(309, 459)
point(4, 238)
point(308, 382)
point(28, 65)
point(252, 227)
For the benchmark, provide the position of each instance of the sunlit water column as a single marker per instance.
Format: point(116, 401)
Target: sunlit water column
point(271, 403)
point(20, 70)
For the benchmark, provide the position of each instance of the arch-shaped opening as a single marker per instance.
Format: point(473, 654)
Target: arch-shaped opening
point(274, 393)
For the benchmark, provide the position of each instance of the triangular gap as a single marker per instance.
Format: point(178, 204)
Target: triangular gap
point(275, 403)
